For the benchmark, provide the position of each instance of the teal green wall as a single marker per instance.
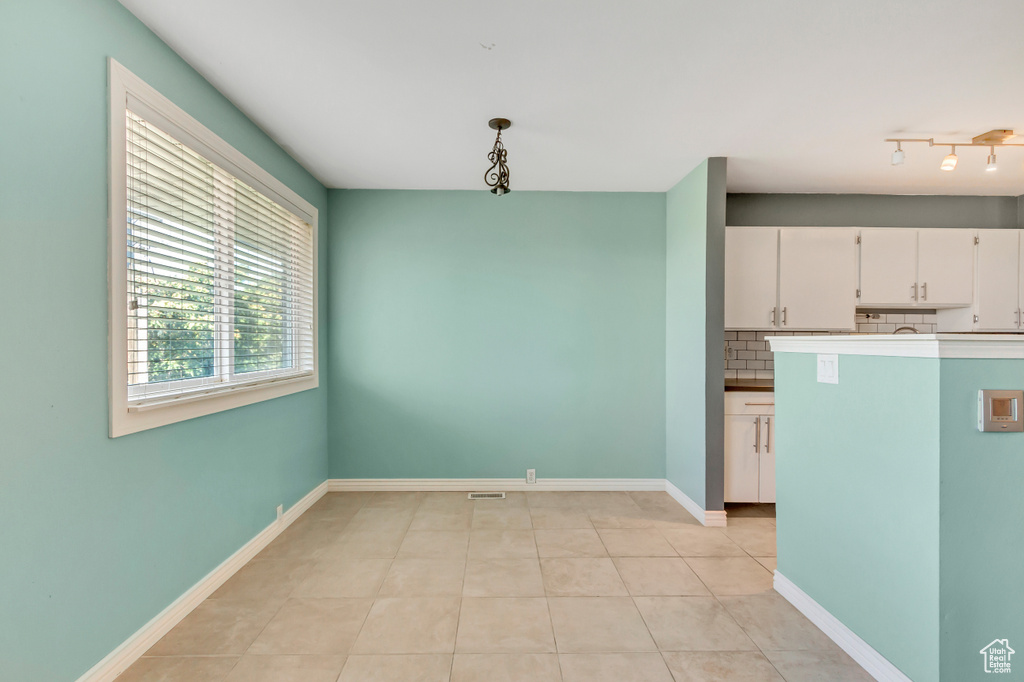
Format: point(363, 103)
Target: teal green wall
point(100, 535)
point(982, 551)
point(857, 481)
point(694, 333)
point(477, 336)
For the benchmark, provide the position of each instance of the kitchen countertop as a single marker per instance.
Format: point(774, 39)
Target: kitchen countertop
point(749, 385)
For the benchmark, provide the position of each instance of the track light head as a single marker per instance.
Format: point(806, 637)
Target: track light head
point(991, 164)
point(949, 163)
point(898, 156)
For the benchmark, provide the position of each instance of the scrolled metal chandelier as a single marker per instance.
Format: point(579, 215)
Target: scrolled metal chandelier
point(497, 175)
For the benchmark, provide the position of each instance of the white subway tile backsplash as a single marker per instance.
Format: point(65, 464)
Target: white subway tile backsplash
point(752, 357)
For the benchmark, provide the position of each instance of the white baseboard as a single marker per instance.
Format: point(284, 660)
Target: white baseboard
point(876, 665)
point(708, 518)
point(118, 660)
point(338, 485)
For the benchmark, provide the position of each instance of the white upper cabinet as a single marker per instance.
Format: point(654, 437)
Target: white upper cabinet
point(817, 278)
point(945, 267)
point(799, 278)
point(927, 268)
point(997, 305)
point(888, 267)
point(751, 277)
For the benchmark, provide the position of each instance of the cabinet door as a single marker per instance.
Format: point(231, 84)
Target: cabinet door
point(751, 276)
point(817, 278)
point(766, 467)
point(888, 267)
point(998, 281)
point(945, 267)
point(742, 458)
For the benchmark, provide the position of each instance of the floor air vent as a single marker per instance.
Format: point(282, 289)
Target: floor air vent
point(487, 496)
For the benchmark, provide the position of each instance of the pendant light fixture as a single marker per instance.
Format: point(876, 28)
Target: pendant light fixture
point(497, 175)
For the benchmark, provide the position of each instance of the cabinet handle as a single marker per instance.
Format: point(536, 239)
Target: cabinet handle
point(783, 316)
point(924, 291)
point(773, 316)
point(913, 291)
point(768, 438)
point(758, 403)
point(757, 440)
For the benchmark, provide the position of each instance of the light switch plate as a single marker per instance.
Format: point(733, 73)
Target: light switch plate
point(828, 369)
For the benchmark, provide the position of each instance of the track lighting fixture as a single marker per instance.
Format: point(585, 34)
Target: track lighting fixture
point(994, 138)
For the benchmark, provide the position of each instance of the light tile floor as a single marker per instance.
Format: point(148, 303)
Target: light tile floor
point(538, 587)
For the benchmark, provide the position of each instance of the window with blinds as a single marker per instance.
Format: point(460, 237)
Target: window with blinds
point(219, 277)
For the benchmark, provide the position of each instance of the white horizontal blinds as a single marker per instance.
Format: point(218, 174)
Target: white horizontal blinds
point(220, 277)
point(273, 292)
point(171, 270)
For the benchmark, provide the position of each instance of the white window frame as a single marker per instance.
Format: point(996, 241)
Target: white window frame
point(127, 417)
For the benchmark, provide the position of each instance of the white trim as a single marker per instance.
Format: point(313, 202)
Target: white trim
point(716, 519)
point(874, 663)
point(124, 84)
point(337, 485)
point(968, 346)
point(121, 658)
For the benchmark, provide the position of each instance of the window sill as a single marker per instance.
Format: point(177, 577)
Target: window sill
point(149, 414)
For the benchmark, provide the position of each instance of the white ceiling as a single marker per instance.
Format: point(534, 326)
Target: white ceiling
point(609, 95)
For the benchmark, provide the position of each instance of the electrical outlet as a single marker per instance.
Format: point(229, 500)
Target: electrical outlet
point(280, 511)
point(531, 475)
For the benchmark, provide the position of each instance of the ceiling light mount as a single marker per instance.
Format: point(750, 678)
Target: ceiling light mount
point(994, 138)
point(497, 175)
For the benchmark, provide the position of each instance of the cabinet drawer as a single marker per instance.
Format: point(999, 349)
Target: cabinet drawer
point(750, 402)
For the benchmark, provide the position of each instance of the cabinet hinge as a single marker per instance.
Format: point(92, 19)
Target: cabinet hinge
point(858, 239)
point(858, 293)
point(977, 240)
point(975, 319)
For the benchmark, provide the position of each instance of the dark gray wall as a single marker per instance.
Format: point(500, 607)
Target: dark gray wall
point(714, 389)
point(874, 210)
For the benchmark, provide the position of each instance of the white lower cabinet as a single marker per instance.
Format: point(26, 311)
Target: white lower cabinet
point(749, 446)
